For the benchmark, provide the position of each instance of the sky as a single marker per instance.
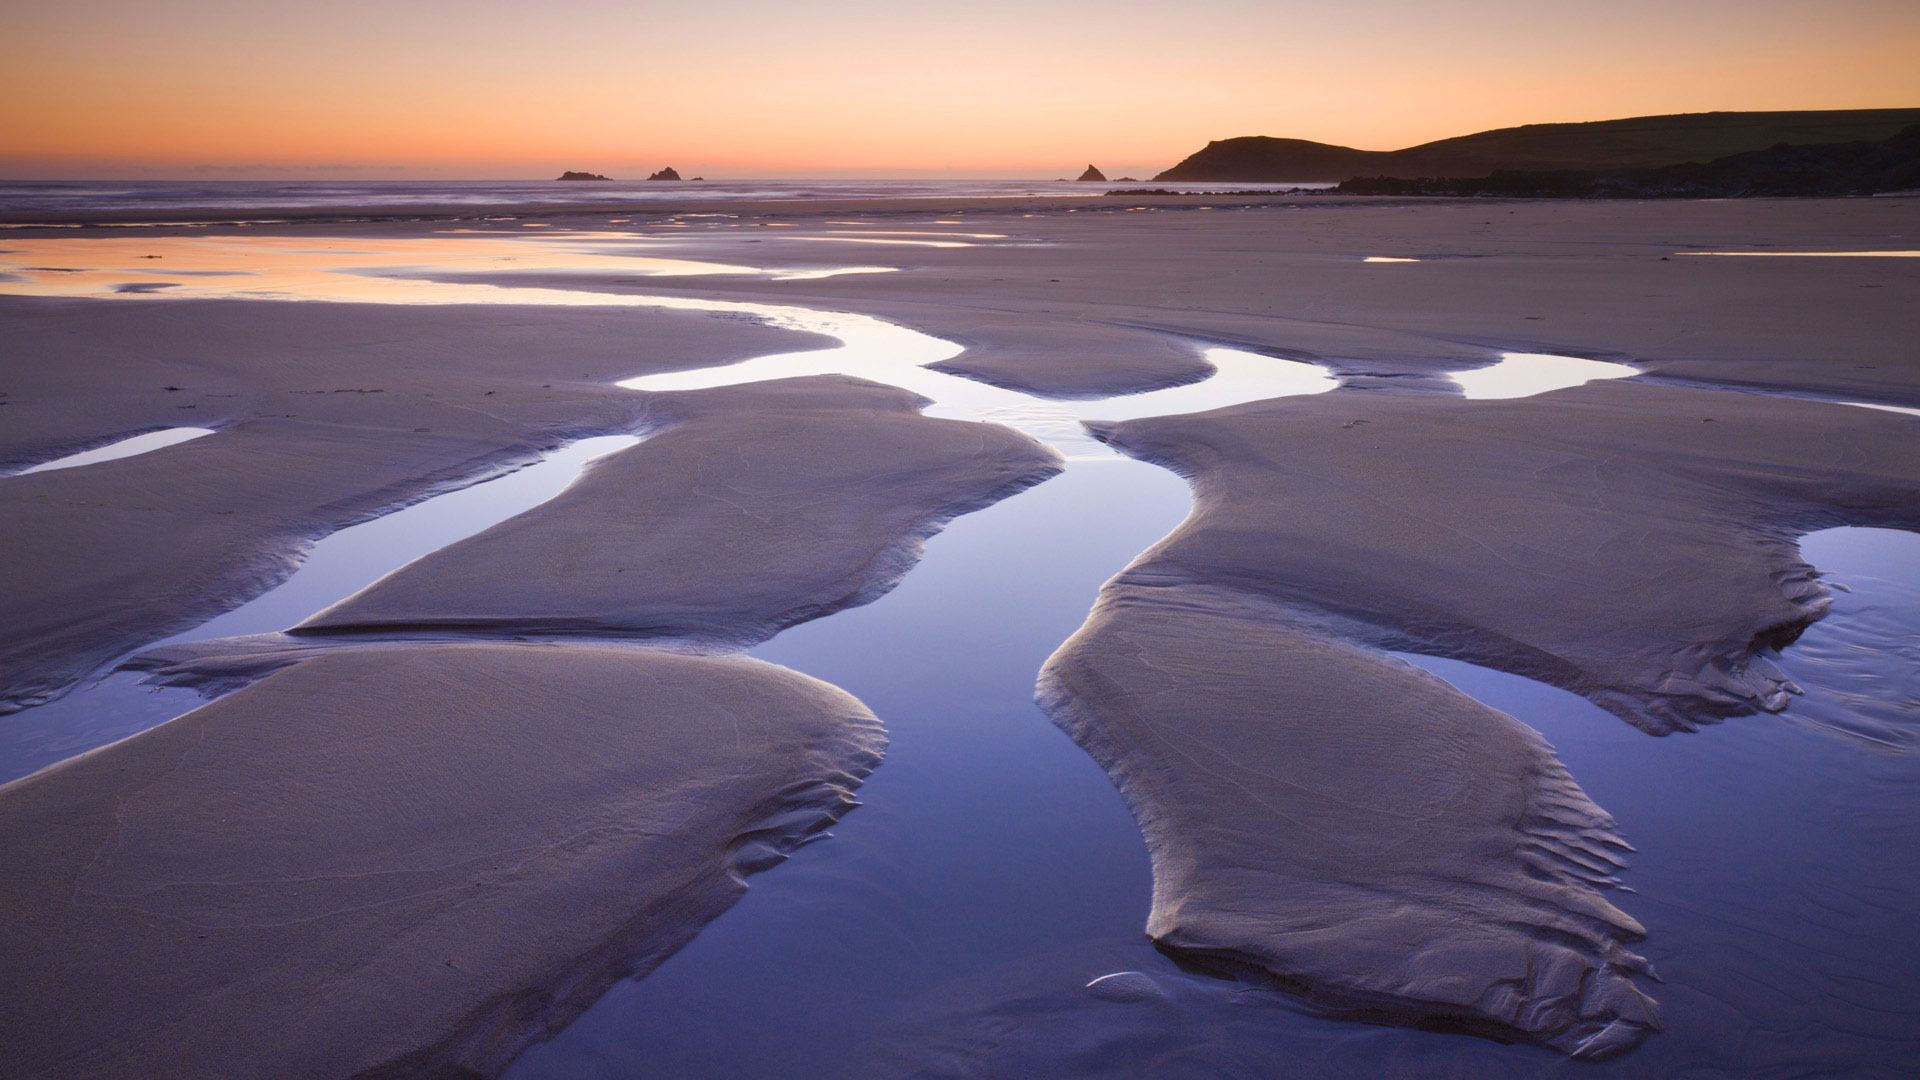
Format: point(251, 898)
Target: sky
point(1033, 89)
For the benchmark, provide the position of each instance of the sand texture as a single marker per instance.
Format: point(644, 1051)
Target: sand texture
point(400, 862)
point(1612, 280)
point(1063, 359)
point(1036, 352)
point(757, 507)
point(1354, 826)
point(1630, 543)
point(1320, 816)
point(325, 415)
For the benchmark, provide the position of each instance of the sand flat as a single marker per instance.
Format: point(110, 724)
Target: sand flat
point(325, 415)
point(757, 507)
point(1357, 828)
point(1632, 541)
point(400, 861)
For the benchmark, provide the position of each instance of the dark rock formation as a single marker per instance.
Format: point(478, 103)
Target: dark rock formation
point(583, 176)
point(1260, 159)
point(1093, 174)
point(1602, 146)
point(665, 174)
point(1852, 168)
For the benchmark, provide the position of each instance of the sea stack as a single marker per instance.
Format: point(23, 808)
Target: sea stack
point(1094, 174)
point(583, 176)
point(665, 174)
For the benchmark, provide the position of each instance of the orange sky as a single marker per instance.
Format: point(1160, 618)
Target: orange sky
point(499, 89)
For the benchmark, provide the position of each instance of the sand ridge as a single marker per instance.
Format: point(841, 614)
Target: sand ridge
point(1632, 541)
point(326, 415)
point(1357, 828)
point(753, 508)
point(403, 861)
point(1628, 542)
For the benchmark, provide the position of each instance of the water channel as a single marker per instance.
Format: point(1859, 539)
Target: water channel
point(951, 926)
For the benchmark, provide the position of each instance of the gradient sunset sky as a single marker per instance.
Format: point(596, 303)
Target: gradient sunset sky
point(758, 88)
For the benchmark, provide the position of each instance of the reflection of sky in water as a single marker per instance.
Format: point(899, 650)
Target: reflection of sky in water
point(884, 352)
point(319, 269)
point(1817, 254)
point(1776, 857)
point(986, 843)
point(1526, 374)
point(338, 566)
point(881, 240)
point(138, 444)
point(953, 921)
point(1860, 667)
point(369, 271)
point(1883, 408)
point(922, 232)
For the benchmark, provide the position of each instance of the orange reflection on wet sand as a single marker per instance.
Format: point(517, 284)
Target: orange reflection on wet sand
point(295, 267)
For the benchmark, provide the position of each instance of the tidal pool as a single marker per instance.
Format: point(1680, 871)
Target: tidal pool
point(884, 352)
point(366, 270)
point(1883, 408)
point(988, 845)
point(336, 567)
point(1778, 856)
point(951, 928)
point(124, 448)
point(1817, 254)
point(1519, 374)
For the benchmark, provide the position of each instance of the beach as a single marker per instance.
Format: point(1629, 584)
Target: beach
point(1257, 691)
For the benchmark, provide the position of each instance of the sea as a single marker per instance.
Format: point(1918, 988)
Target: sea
point(83, 197)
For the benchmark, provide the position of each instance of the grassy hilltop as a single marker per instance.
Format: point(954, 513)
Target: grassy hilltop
point(1635, 142)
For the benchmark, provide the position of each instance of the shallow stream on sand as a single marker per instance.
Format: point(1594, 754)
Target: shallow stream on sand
point(952, 924)
point(988, 848)
point(1778, 855)
point(120, 448)
point(336, 568)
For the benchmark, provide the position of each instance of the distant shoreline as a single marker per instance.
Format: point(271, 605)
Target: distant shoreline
point(188, 202)
point(27, 221)
point(467, 212)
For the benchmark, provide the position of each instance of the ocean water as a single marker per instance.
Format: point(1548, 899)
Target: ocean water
point(88, 196)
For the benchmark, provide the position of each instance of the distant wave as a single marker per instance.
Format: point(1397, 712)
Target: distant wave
point(81, 197)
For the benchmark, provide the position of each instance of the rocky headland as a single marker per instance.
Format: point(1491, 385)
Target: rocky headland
point(1851, 168)
point(1599, 146)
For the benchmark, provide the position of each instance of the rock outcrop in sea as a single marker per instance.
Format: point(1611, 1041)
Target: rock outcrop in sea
point(1093, 174)
point(581, 176)
point(665, 174)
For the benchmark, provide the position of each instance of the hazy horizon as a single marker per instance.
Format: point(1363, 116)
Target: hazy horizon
point(854, 89)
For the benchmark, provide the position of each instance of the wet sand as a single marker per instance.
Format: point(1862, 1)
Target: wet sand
point(429, 855)
point(1629, 541)
point(696, 533)
point(327, 414)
